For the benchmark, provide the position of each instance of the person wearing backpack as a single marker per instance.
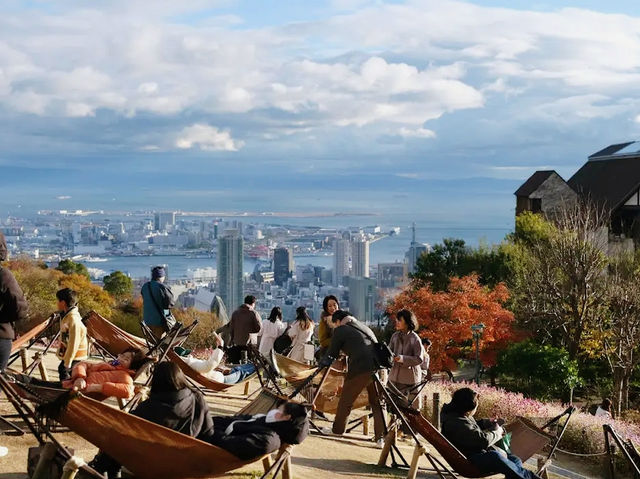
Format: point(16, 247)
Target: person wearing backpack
point(358, 342)
point(157, 300)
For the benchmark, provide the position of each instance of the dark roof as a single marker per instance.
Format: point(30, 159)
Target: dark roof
point(534, 182)
point(608, 182)
point(610, 150)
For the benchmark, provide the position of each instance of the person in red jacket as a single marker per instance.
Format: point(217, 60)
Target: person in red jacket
point(114, 378)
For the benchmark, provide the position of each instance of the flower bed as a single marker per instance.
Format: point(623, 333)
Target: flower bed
point(584, 434)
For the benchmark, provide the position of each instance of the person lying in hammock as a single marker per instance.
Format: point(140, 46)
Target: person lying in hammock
point(172, 404)
point(248, 437)
point(476, 439)
point(111, 379)
point(211, 369)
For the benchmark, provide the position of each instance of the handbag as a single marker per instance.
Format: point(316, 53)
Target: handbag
point(382, 353)
point(170, 321)
point(282, 343)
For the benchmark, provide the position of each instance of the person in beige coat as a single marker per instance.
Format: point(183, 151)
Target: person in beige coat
point(405, 343)
point(74, 346)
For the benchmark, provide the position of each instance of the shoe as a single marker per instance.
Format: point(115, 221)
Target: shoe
point(327, 431)
point(380, 443)
point(3, 451)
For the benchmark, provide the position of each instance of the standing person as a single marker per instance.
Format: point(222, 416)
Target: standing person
point(330, 305)
point(74, 346)
point(476, 439)
point(157, 300)
point(300, 334)
point(405, 343)
point(13, 309)
point(244, 322)
point(357, 341)
point(272, 328)
point(426, 343)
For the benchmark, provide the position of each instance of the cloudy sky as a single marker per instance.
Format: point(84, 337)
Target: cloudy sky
point(436, 109)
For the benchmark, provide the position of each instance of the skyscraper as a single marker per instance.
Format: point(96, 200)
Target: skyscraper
point(392, 275)
point(341, 250)
point(230, 262)
point(282, 265)
point(362, 298)
point(360, 257)
point(164, 219)
point(415, 251)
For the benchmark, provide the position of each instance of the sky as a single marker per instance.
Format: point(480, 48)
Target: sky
point(433, 110)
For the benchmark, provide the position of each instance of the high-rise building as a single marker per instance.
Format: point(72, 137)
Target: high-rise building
point(362, 298)
point(282, 265)
point(392, 275)
point(415, 251)
point(230, 262)
point(164, 219)
point(341, 251)
point(360, 257)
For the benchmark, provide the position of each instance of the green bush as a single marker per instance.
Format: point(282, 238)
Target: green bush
point(538, 371)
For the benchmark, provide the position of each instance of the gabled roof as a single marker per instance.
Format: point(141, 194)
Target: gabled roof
point(534, 182)
point(608, 182)
point(610, 150)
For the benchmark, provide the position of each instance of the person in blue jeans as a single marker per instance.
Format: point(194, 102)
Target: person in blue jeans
point(239, 373)
point(476, 439)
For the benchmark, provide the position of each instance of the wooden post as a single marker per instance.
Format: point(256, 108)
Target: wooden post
point(286, 468)
point(246, 387)
point(389, 440)
point(435, 415)
point(365, 425)
point(43, 371)
point(541, 461)
point(47, 453)
point(266, 463)
point(71, 467)
point(418, 451)
point(23, 358)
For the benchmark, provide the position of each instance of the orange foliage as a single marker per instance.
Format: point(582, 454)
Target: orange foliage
point(446, 318)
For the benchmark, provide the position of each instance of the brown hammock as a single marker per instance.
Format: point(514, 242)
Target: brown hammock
point(109, 336)
point(201, 379)
point(146, 449)
point(327, 401)
point(24, 339)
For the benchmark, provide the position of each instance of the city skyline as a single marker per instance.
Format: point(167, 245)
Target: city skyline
point(437, 108)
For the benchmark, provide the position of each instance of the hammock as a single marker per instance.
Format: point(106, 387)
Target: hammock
point(110, 337)
point(25, 338)
point(146, 449)
point(201, 378)
point(296, 372)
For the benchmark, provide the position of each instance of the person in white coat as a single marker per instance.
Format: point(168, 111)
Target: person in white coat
point(272, 328)
point(300, 333)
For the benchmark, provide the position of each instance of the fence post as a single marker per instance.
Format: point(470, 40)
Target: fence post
point(43, 370)
point(23, 358)
point(435, 414)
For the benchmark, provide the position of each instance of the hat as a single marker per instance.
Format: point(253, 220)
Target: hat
point(157, 272)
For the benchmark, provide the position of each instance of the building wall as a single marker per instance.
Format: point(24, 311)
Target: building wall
point(362, 298)
point(360, 258)
point(341, 251)
point(555, 193)
point(230, 262)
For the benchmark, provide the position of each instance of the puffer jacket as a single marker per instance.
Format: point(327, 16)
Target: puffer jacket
point(465, 433)
point(13, 306)
point(115, 380)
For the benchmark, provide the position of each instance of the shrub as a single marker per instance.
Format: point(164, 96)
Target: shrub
point(202, 335)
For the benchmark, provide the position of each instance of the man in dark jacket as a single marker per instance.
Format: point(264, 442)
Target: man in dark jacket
point(356, 340)
point(157, 300)
point(244, 322)
point(13, 306)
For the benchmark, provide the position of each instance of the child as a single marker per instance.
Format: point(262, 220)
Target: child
point(73, 334)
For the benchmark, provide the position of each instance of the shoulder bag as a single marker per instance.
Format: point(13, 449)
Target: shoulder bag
point(382, 352)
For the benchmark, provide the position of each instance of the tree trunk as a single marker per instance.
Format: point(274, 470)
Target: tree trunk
point(618, 390)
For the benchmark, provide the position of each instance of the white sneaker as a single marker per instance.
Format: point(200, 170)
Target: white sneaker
point(326, 430)
point(380, 443)
point(3, 451)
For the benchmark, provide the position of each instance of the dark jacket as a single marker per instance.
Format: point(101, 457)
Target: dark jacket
point(156, 297)
point(352, 341)
point(244, 321)
point(465, 433)
point(252, 437)
point(13, 306)
point(185, 411)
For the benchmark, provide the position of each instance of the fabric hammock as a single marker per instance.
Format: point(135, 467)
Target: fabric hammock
point(148, 450)
point(24, 339)
point(109, 336)
point(327, 401)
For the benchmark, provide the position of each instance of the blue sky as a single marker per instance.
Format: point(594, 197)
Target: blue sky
point(433, 109)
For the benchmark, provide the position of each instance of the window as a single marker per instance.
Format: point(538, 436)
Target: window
point(536, 205)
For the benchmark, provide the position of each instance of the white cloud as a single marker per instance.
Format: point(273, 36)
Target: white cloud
point(207, 138)
point(416, 133)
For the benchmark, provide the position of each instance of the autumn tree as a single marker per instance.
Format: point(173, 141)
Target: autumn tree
point(118, 285)
point(446, 318)
point(68, 266)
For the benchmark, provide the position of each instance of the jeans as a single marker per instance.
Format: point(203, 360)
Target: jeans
point(64, 372)
point(238, 373)
point(498, 463)
point(5, 352)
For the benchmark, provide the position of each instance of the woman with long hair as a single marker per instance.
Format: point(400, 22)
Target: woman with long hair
point(272, 328)
point(408, 352)
point(330, 305)
point(300, 333)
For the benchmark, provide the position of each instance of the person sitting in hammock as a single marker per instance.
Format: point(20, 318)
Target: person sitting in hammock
point(172, 404)
point(476, 439)
point(248, 437)
point(111, 379)
point(211, 369)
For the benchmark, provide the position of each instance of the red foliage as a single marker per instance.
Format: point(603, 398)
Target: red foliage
point(446, 318)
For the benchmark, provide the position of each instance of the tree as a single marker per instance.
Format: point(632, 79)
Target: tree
point(118, 285)
point(559, 277)
point(68, 266)
point(446, 317)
